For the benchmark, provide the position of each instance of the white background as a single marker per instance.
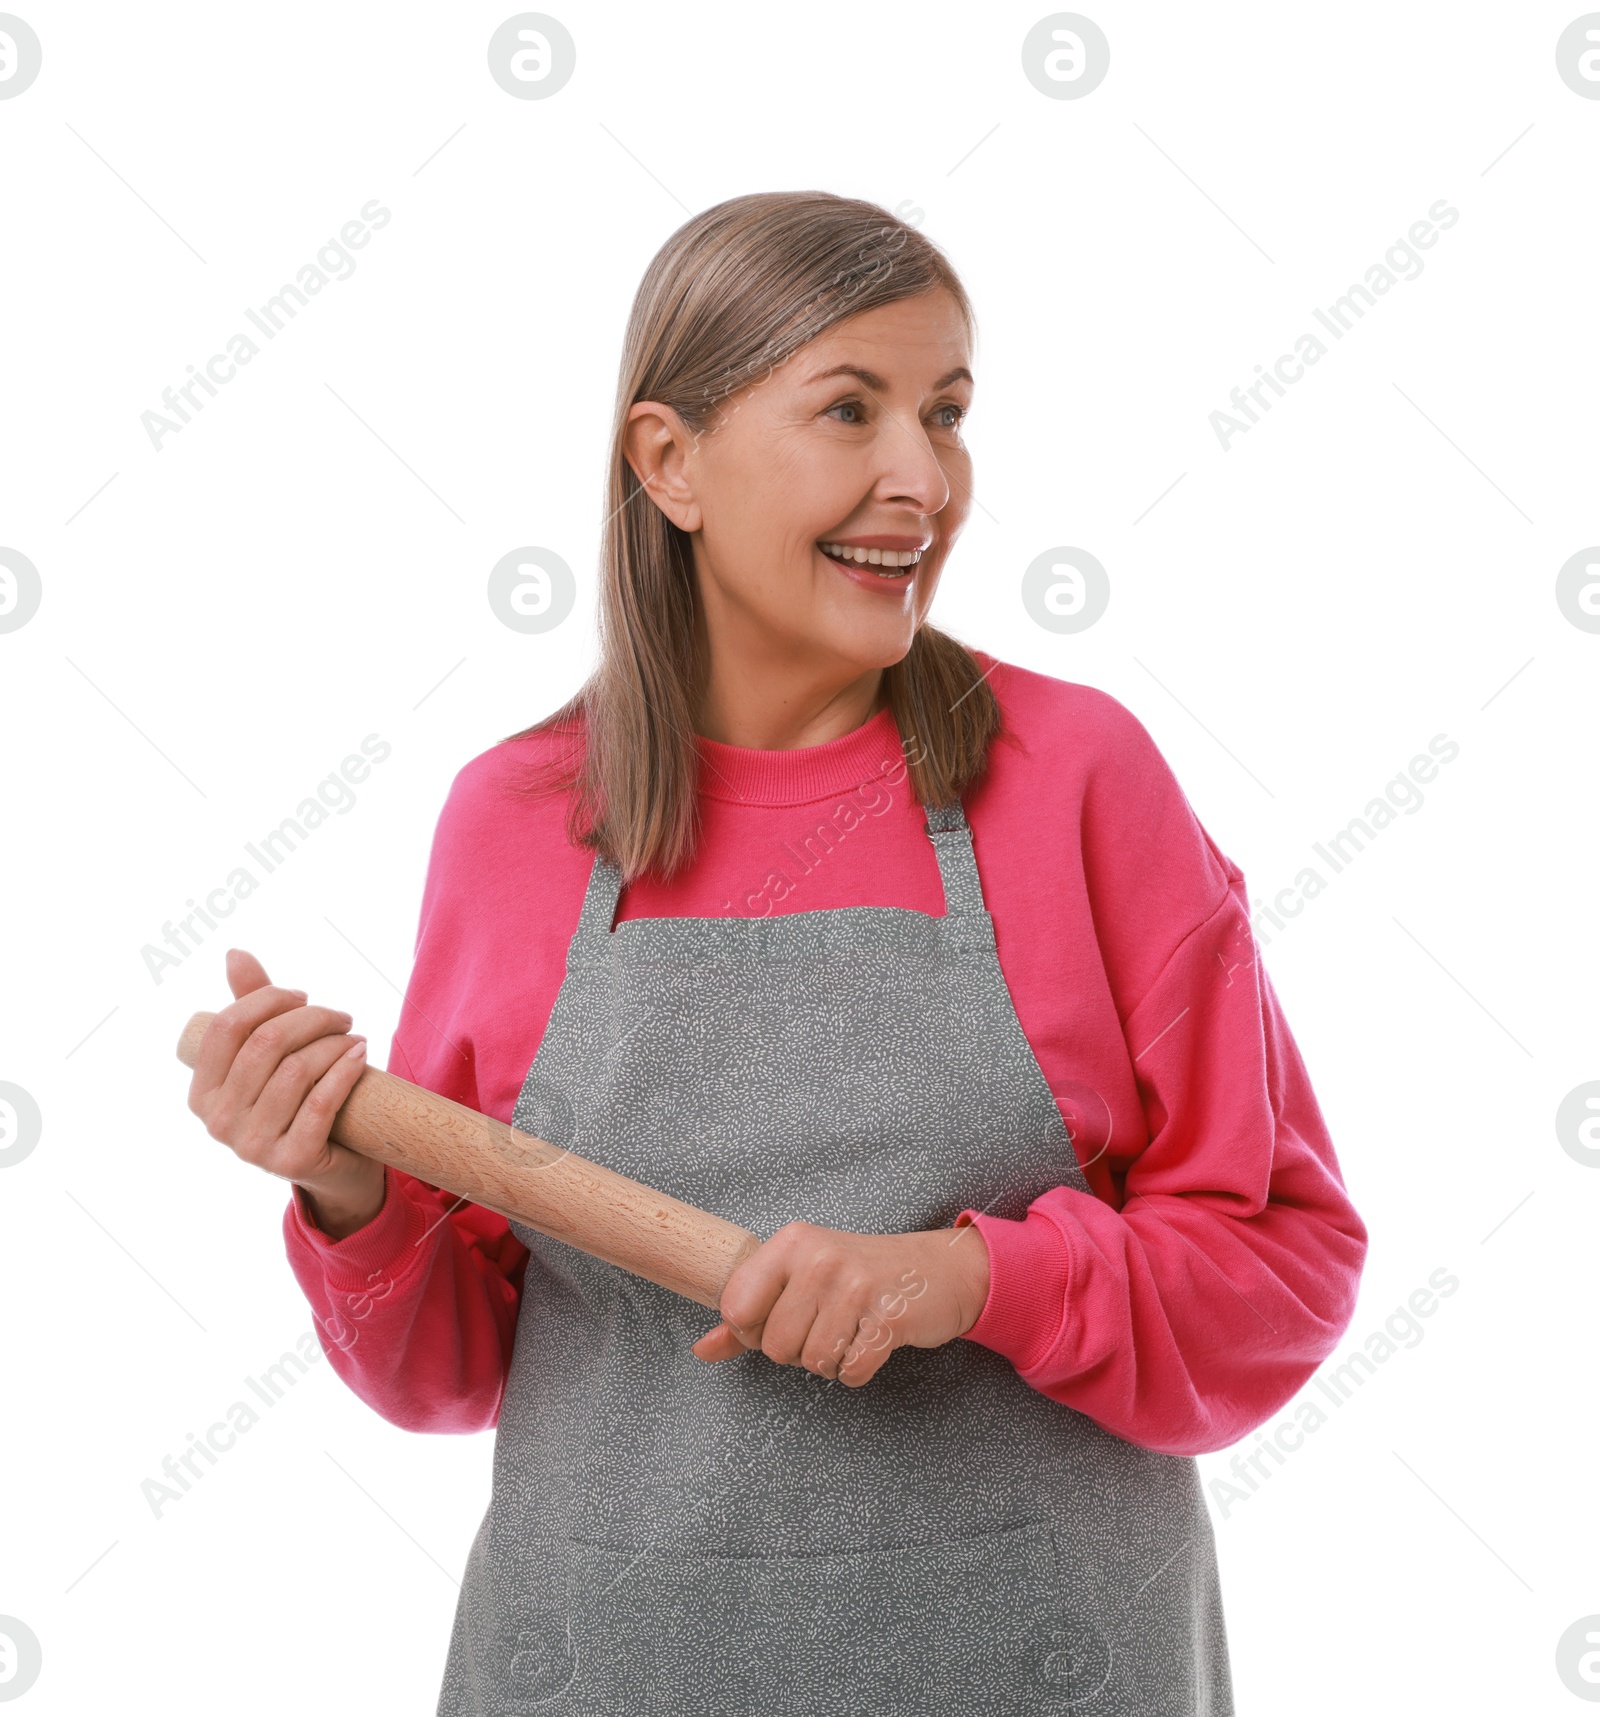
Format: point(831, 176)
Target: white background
point(304, 564)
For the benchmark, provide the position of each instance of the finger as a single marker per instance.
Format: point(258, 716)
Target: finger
point(284, 1095)
point(862, 1361)
point(788, 1326)
point(306, 1147)
point(718, 1343)
point(245, 972)
point(277, 1036)
point(878, 1323)
point(863, 1357)
point(754, 1287)
point(227, 1033)
point(831, 1337)
point(749, 1339)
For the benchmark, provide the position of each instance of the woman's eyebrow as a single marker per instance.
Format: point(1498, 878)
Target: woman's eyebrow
point(867, 378)
point(870, 379)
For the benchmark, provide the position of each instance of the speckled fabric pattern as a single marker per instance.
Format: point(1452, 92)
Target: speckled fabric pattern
point(669, 1536)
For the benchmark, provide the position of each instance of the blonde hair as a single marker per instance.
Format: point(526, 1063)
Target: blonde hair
point(733, 293)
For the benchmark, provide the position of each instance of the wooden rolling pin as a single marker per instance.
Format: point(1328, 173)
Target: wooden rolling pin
point(567, 1197)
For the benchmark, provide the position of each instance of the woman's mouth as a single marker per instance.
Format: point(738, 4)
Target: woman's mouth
point(885, 563)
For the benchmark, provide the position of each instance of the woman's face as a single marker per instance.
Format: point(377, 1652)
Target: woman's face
point(812, 483)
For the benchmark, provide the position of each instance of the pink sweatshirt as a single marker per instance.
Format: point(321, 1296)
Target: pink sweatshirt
point(1179, 1305)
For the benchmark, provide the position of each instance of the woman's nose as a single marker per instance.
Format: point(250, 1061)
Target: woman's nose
point(910, 466)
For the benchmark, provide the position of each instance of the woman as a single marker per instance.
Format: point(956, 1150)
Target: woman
point(806, 914)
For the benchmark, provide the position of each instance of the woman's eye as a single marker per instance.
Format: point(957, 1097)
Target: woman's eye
point(947, 416)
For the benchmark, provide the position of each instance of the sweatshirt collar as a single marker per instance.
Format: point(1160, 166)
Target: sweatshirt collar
point(754, 775)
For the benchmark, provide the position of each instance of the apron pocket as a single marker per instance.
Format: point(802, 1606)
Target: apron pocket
point(978, 1627)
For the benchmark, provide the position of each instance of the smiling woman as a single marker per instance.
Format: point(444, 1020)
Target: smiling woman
point(1046, 1202)
point(794, 378)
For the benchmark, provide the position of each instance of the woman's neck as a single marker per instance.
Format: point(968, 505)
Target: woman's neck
point(784, 713)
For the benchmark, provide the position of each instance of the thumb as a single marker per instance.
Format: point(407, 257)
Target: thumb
point(245, 972)
point(717, 1343)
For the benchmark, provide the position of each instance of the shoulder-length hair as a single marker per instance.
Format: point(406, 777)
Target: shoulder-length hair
point(733, 293)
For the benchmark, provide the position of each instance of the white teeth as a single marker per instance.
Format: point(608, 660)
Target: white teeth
point(892, 559)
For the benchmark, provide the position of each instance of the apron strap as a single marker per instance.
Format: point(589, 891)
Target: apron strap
point(599, 905)
point(948, 829)
point(958, 869)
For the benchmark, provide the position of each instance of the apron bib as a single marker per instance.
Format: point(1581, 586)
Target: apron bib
point(671, 1536)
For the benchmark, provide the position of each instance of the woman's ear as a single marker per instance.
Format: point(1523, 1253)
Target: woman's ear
point(656, 443)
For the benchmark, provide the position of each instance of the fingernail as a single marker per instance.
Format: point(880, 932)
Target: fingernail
point(302, 994)
point(356, 1050)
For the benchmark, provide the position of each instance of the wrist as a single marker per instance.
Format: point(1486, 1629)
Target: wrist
point(971, 1253)
point(339, 1207)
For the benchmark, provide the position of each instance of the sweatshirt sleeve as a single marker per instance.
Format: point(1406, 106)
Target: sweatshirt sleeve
point(417, 1311)
point(1188, 1316)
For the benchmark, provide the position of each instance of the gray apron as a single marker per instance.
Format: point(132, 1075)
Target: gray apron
point(667, 1535)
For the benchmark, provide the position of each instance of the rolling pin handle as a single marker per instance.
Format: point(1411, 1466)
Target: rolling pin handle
point(189, 1043)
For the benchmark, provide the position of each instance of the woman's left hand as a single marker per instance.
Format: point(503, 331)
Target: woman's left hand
point(840, 1303)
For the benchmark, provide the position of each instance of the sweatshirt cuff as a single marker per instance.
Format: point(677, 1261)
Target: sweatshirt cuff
point(385, 1247)
point(1030, 1269)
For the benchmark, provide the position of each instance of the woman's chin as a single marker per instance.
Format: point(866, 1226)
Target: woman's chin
point(870, 641)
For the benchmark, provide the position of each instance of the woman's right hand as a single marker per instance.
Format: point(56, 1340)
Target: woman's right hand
point(271, 1074)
